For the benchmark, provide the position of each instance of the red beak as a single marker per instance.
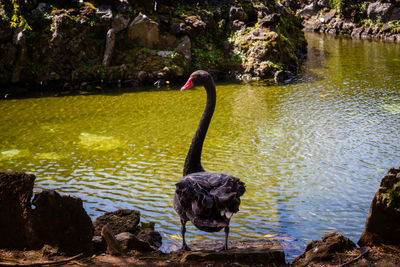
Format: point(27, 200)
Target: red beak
point(188, 84)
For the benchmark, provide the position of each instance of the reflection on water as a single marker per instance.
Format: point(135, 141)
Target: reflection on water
point(312, 153)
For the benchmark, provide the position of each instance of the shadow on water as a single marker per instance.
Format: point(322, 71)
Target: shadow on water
point(23, 92)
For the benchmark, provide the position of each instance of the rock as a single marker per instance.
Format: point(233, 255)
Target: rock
point(129, 242)
point(310, 10)
point(385, 28)
point(61, 221)
point(114, 247)
point(19, 40)
point(260, 252)
point(104, 12)
point(282, 75)
point(382, 224)
point(40, 9)
point(184, 47)
point(326, 249)
point(15, 195)
point(119, 221)
point(144, 31)
point(176, 28)
point(110, 42)
point(395, 14)
point(237, 25)
point(99, 244)
point(356, 33)
point(292, 4)
point(329, 16)
point(195, 22)
point(150, 236)
point(142, 75)
point(323, 3)
point(165, 54)
point(124, 7)
point(379, 11)
point(119, 23)
point(269, 21)
point(237, 13)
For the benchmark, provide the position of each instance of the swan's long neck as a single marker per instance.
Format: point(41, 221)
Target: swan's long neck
point(193, 158)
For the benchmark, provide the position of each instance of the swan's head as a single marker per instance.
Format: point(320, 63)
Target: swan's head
point(199, 77)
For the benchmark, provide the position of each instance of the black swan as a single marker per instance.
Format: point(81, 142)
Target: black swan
point(206, 199)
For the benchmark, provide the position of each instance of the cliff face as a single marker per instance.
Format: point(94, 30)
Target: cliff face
point(139, 42)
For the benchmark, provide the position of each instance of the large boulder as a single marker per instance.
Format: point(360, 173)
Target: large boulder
point(309, 10)
point(144, 31)
point(379, 11)
point(326, 249)
point(58, 221)
point(382, 225)
point(119, 221)
point(62, 222)
point(15, 207)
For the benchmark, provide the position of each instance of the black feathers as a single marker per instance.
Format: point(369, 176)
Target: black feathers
point(208, 200)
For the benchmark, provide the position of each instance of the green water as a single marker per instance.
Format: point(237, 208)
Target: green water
point(311, 152)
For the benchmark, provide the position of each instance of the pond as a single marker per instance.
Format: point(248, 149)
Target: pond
point(312, 152)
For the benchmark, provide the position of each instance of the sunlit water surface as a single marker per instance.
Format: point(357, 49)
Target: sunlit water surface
point(312, 152)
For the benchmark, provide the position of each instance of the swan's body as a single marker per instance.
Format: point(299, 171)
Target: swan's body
point(208, 200)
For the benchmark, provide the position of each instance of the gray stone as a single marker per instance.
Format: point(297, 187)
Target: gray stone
point(104, 12)
point(237, 25)
point(269, 21)
point(378, 10)
point(310, 10)
point(165, 54)
point(110, 42)
point(144, 31)
point(142, 75)
point(356, 33)
point(184, 47)
point(119, 23)
point(329, 16)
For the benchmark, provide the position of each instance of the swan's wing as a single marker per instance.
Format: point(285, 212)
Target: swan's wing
point(209, 197)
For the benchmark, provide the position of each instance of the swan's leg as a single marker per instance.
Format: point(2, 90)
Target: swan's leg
point(225, 247)
point(183, 231)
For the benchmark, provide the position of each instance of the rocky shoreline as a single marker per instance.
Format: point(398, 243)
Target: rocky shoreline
point(85, 45)
point(371, 20)
point(58, 228)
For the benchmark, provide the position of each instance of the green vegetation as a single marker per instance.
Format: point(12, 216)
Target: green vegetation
point(15, 17)
point(355, 4)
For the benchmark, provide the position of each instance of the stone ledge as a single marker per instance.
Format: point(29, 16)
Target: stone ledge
point(243, 252)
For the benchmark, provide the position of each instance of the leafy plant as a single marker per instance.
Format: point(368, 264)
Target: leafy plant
point(17, 19)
